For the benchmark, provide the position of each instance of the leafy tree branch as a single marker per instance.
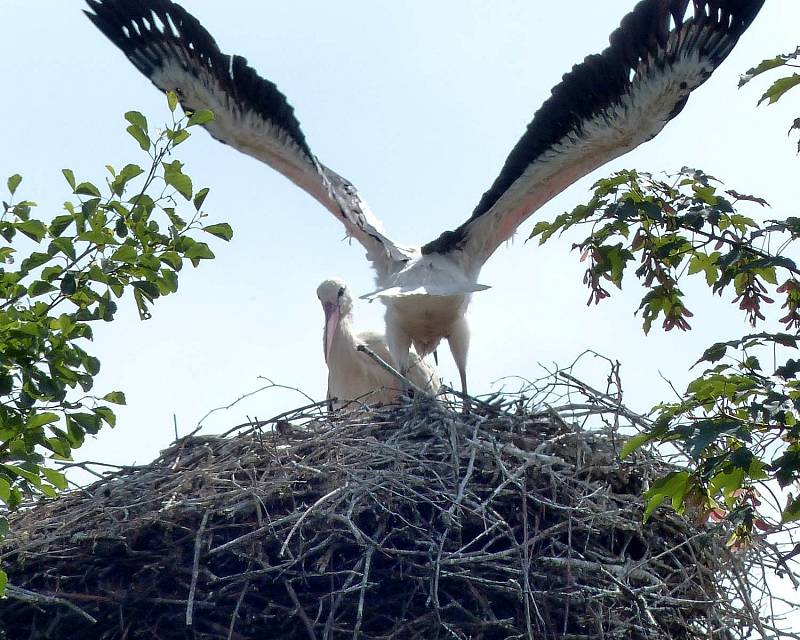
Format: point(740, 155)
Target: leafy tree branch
point(779, 87)
point(60, 275)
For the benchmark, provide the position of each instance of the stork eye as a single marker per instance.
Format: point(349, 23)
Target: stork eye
point(341, 292)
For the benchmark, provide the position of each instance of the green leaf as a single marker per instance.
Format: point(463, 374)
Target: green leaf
point(34, 229)
point(5, 490)
point(36, 259)
point(129, 172)
point(140, 136)
point(120, 228)
point(59, 447)
point(6, 254)
point(707, 264)
point(68, 284)
point(200, 198)
point(87, 189)
point(168, 282)
point(707, 431)
point(222, 230)
point(173, 259)
point(126, 253)
point(634, 443)
point(7, 230)
point(92, 366)
point(136, 119)
point(3, 581)
point(177, 222)
point(48, 490)
point(59, 224)
point(714, 353)
point(540, 228)
point(70, 177)
point(51, 273)
point(37, 420)
point(148, 289)
point(56, 478)
point(176, 137)
point(100, 237)
point(39, 288)
point(199, 251)
point(65, 246)
point(88, 421)
point(201, 116)
point(116, 397)
point(172, 100)
point(705, 193)
point(792, 511)
point(174, 177)
point(727, 485)
point(672, 487)
point(780, 87)
point(13, 183)
point(107, 415)
point(761, 67)
point(29, 476)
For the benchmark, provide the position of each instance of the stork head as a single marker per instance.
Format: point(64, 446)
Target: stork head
point(337, 303)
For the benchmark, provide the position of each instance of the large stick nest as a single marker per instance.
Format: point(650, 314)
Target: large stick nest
point(407, 522)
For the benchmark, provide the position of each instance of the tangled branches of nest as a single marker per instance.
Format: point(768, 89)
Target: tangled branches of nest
point(407, 522)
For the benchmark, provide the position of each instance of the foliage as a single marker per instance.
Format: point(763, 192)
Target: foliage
point(780, 86)
point(681, 228)
point(738, 422)
point(739, 425)
point(60, 276)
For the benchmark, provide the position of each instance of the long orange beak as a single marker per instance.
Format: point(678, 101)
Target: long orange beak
point(331, 323)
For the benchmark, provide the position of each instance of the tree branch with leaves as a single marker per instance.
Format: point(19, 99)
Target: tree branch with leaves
point(60, 276)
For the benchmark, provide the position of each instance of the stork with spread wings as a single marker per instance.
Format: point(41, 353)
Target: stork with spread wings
point(604, 107)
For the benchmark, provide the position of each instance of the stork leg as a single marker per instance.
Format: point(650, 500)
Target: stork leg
point(459, 346)
point(399, 343)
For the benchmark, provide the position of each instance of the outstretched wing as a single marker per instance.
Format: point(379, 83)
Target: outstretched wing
point(172, 48)
point(603, 108)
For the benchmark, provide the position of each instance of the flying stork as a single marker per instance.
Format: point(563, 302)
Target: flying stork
point(352, 374)
point(604, 107)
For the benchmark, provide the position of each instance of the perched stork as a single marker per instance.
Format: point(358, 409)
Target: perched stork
point(604, 107)
point(352, 374)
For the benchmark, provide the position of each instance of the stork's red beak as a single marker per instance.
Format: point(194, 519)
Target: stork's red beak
point(331, 323)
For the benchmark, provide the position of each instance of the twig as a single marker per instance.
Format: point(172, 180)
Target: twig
point(300, 611)
point(235, 613)
point(362, 592)
point(25, 595)
point(387, 367)
point(250, 394)
point(198, 541)
point(297, 524)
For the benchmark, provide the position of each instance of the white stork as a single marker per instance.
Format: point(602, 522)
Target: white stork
point(604, 107)
point(352, 374)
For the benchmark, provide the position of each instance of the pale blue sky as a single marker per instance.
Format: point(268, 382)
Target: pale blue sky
point(418, 104)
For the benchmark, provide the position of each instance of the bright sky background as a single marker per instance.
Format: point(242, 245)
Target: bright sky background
point(418, 104)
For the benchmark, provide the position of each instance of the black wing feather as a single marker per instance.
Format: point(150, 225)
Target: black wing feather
point(126, 24)
point(602, 81)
